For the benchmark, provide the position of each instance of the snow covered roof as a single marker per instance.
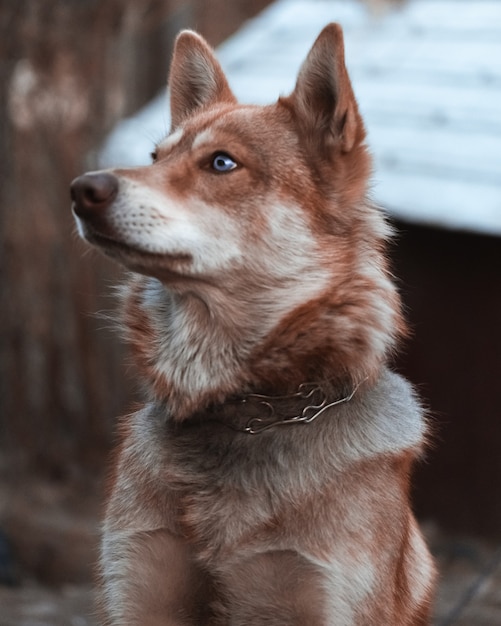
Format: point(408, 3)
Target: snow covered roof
point(427, 76)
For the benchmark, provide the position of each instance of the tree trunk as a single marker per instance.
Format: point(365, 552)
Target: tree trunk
point(66, 76)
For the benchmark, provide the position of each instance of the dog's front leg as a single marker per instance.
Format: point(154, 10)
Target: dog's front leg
point(276, 588)
point(148, 578)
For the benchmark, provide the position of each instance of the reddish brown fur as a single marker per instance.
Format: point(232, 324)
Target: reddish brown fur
point(302, 524)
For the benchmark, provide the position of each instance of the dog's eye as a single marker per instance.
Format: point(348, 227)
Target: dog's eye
point(222, 162)
point(153, 156)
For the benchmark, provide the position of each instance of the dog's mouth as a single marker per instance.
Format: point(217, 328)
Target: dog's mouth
point(160, 265)
point(108, 244)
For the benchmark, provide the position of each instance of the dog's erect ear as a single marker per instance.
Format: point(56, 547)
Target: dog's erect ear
point(323, 97)
point(196, 78)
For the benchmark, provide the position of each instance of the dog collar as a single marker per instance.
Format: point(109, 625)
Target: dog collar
point(271, 411)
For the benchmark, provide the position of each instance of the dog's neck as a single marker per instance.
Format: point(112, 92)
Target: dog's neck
point(192, 355)
point(194, 352)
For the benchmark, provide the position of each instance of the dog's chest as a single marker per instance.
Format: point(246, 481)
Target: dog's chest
point(312, 484)
point(246, 494)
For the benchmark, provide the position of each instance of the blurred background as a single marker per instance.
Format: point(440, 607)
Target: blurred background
point(70, 71)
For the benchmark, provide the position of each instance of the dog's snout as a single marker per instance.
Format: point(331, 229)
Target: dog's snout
point(92, 193)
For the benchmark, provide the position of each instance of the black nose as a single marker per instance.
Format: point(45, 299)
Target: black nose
point(91, 193)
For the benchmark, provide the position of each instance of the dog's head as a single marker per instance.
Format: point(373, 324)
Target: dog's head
point(233, 183)
point(261, 209)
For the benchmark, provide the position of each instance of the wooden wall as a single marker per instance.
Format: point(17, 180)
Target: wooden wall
point(451, 282)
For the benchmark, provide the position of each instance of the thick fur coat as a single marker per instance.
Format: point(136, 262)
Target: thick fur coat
point(258, 264)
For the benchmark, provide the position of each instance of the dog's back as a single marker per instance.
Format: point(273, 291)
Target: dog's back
point(267, 481)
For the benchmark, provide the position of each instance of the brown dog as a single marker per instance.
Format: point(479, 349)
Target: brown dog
point(266, 481)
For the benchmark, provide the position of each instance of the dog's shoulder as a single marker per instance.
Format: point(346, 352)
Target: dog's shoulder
point(387, 419)
point(398, 411)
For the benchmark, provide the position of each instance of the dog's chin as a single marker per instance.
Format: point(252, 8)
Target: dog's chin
point(169, 268)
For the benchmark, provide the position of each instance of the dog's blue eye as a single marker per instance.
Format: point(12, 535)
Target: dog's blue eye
point(222, 162)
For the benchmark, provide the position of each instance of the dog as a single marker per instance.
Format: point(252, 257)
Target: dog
point(266, 479)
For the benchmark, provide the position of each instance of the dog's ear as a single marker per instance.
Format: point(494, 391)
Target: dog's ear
point(323, 97)
point(196, 78)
